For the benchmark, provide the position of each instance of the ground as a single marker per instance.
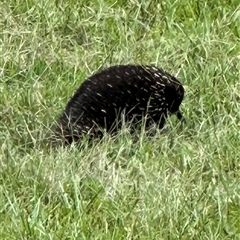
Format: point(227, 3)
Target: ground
point(182, 183)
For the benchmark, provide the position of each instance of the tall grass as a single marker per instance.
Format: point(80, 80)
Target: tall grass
point(180, 184)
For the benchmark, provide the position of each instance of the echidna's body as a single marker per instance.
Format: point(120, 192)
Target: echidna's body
point(134, 90)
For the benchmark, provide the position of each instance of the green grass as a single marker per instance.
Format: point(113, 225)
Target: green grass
point(180, 184)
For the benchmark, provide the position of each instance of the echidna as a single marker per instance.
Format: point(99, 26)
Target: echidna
point(135, 90)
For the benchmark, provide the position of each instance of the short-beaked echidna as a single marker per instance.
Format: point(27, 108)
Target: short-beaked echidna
point(135, 90)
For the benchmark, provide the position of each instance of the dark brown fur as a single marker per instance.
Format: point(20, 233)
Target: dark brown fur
point(134, 90)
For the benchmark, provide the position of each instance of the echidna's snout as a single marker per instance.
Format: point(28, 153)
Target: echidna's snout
point(179, 115)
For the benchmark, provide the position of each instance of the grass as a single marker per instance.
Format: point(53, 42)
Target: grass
point(182, 184)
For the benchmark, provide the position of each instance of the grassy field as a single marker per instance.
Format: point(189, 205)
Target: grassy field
point(180, 184)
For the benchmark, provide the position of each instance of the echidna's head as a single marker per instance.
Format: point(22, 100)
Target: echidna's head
point(175, 97)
